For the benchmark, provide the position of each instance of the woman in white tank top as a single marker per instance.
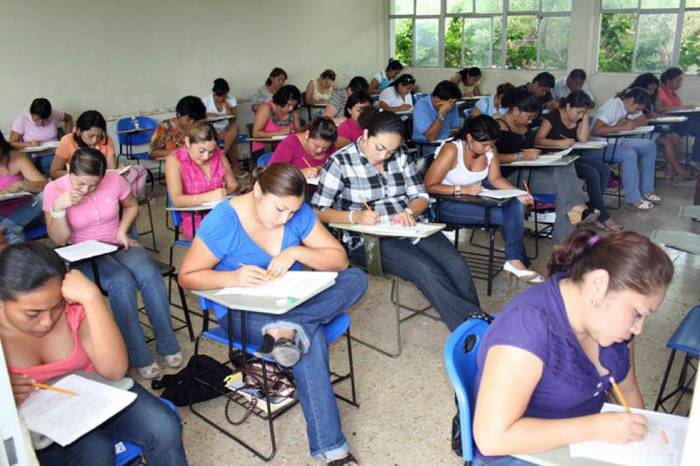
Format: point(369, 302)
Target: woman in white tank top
point(460, 168)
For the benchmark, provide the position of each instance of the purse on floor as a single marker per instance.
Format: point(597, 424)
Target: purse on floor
point(201, 380)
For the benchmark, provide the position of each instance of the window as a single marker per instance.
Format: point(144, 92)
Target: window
point(649, 35)
point(514, 34)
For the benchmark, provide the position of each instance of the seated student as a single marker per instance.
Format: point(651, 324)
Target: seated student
point(37, 127)
point(541, 87)
point(382, 79)
point(516, 144)
point(397, 97)
point(469, 78)
point(219, 103)
point(309, 149)
point(278, 117)
point(669, 141)
point(565, 126)
point(90, 131)
point(197, 173)
point(637, 155)
point(336, 105)
point(575, 81)
point(668, 100)
point(321, 89)
point(490, 105)
point(53, 323)
point(350, 130)
point(85, 205)
point(460, 167)
point(544, 364)
point(18, 174)
point(287, 235)
point(170, 134)
point(436, 117)
point(273, 83)
point(377, 171)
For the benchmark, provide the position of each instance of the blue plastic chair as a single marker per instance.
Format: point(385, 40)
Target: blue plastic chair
point(128, 142)
point(686, 339)
point(127, 451)
point(460, 361)
point(264, 159)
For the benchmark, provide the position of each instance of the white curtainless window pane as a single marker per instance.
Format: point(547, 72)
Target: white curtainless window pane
point(482, 42)
point(428, 7)
point(554, 42)
point(427, 42)
point(401, 7)
point(655, 41)
point(401, 34)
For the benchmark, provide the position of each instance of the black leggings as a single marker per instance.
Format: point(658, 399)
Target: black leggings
point(596, 175)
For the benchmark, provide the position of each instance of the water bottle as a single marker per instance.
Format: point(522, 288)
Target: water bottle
point(135, 123)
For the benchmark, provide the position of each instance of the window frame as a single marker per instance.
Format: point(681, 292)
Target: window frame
point(680, 12)
point(504, 14)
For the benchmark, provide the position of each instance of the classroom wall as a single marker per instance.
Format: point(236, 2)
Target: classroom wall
point(130, 56)
point(583, 49)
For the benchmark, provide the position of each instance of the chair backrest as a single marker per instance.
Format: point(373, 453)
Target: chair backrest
point(460, 361)
point(175, 216)
point(146, 123)
point(264, 159)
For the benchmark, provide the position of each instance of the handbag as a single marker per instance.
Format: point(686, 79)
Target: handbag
point(201, 380)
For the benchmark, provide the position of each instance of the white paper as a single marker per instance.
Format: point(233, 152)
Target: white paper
point(8, 196)
point(297, 285)
point(313, 181)
point(44, 147)
point(639, 130)
point(502, 193)
point(65, 418)
point(652, 451)
point(85, 250)
point(418, 230)
point(669, 119)
point(687, 110)
point(590, 145)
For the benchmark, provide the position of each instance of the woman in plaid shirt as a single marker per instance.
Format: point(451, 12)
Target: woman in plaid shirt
point(377, 171)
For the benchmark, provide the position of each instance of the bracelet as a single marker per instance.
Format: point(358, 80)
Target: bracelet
point(58, 214)
point(458, 190)
point(350, 212)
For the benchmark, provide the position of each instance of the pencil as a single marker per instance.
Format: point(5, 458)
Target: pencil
point(532, 202)
point(364, 201)
point(619, 396)
point(306, 162)
point(54, 389)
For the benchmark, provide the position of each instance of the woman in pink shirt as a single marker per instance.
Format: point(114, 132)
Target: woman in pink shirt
point(83, 205)
point(668, 101)
point(53, 323)
point(198, 173)
point(308, 150)
point(350, 130)
point(279, 117)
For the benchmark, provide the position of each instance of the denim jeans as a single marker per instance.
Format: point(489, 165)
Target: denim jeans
point(436, 268)
point(692, 127)
point(43, 164)
point(501, 461)
point(123, 273)
point(564, 184)
point(146, 422)
point(638, 159)
point(510, 217)
point(596, 175)
point(311, 373)
point(29, 213)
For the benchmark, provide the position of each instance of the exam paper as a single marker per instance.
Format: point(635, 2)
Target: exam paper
point(297, 285)
point(502, 193)
point(85, 250)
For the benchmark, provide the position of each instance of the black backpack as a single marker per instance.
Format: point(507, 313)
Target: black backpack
point(201, 380)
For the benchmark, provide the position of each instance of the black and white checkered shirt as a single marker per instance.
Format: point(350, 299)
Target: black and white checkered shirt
point(348, 179)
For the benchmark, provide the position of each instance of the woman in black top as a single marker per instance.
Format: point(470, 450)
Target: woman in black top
point(516, 144)
point(563, 127)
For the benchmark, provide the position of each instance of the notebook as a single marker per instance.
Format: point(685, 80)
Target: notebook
point(85, 250)
point(65, 418)
point(663, 444)
point(293, 285)
point(502, 193)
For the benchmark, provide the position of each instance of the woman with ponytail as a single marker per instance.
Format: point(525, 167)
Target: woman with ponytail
point(546, 362)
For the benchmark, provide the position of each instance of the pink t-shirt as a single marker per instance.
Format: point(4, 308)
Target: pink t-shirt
point(290, 150)
point(97, 216)
point(8, 208)
point(25, 126)
point(669, 97)
point(350, 129)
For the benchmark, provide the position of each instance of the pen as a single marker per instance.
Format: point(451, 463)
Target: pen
point(306, 162)
point(532, 202)
point(43, 386)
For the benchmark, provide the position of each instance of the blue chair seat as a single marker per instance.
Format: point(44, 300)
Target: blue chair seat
point(686, 338)
point(264, 159)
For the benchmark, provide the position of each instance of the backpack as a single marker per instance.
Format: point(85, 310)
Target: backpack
point(201, 380)
point(137, 177)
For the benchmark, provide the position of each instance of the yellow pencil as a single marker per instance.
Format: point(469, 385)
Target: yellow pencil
point(306, 162)
point(532, 202)
point(364, 201)
point(54, 389)
point(619, 396)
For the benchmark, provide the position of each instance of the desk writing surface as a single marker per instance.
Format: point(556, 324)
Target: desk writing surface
point(669, 119)
point(632, 132)
point(270, 139)
point(468, 199)
point(686, 110)
point(590, 145)
point(559, 162)
point(41, 148)
point(420, 230)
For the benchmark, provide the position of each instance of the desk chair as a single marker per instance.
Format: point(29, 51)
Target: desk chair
point(128, 452)
point(460, 356)
point(264, 159)
point(334, 330)
point(176, 219)
point(127, 142)
point(686, 339)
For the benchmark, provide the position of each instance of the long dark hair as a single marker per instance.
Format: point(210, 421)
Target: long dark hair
point(481, 128)
point(89, 119)
point(280, 179)
point(5, 149)
point(24, 267)
point(87, 161)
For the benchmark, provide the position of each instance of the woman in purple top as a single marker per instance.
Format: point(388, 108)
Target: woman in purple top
point(350, 130)
point(545, 363)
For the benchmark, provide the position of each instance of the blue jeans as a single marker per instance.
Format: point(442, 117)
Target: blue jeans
point(638, 159)
point(436, 268)
point(44, 164)
point(146, 422)
point(692, 127)
point(123, 273)
point(596, 175)
point(17, 221)
point(311, 373)
point(510, 217)
point(501, 461)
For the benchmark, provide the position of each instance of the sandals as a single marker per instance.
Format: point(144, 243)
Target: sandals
point(174, 360)
point(643, 205)
point(652, 197)
point(343, 461)
point(583, 216)
point(603, 226)
point(149, 372)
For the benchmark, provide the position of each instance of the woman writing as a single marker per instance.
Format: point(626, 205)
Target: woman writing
point(309, 149)
point(170, 134)
point(350, 129)
point(321, 89)
point(273, 83)
point(397, 97)
point(383, 79)
point(278, 117)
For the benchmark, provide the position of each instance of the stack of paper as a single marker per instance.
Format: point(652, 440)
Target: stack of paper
point(85, 250)
point(44, 147)
point(590, 145)
point(502, 193)
point(65, 418)
point(295, 285)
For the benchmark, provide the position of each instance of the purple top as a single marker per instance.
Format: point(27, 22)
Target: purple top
point(536, 322)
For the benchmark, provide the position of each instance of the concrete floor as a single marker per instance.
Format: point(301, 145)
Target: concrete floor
point(407, 403)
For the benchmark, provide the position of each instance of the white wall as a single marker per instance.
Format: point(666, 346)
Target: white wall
point(583, 50)
point(127, 56)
